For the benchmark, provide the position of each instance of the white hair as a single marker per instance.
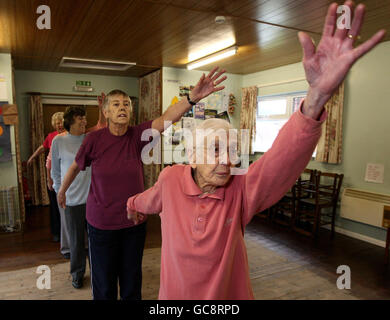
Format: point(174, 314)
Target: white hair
point(55, 117)
point(215, 124)
point(205, 134)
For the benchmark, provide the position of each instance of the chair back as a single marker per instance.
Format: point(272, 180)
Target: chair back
point(306, 185)
point(330, 186)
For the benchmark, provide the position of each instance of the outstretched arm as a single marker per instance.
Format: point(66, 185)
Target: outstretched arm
point(37, 152)
point(70, 175)
point(147, 202)
point(327, 65)
point(205, 86)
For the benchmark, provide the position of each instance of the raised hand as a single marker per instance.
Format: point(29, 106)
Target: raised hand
point(101, 100)
point(102, 121)
point(208, 85)
point(327, 65)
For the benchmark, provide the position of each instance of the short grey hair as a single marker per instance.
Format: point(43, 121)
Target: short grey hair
point(112, 93)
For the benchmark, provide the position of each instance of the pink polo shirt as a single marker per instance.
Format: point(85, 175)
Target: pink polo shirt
point(203, 254)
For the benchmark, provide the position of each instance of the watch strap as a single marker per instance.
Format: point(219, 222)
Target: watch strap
point(189, 100)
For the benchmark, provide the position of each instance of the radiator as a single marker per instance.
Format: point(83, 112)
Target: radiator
point(9, 209)
point(366, 207)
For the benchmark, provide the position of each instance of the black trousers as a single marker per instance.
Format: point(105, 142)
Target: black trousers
point(55, 220)
point(116, 255)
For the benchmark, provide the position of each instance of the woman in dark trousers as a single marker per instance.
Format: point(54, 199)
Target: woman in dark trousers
point(114, 153)
point(55, 224)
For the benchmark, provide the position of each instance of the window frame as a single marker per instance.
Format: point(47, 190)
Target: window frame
point(289, 110)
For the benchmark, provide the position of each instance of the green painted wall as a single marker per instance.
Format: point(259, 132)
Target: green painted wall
point(55, 82)
point(366, 129)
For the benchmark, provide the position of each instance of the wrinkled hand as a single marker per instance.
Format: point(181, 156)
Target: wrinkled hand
point(29, 162)
point(208, 85)
point(50, 184)
point(61, 199)
point(102, 122)
point(101, 99)
point(327, 66)
point(135, 216)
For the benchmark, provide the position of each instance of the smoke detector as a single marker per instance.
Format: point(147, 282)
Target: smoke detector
point(220, 19)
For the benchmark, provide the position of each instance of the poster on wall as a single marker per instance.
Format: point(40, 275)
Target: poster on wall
point(214, 101)
point(199, 110)
point(189, 114)
point(5, 138)
point(210, 113)
point(184, 90)
point(223, 115)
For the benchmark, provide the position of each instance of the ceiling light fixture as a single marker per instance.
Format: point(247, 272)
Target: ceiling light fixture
point(68, 62)
point(228, 52)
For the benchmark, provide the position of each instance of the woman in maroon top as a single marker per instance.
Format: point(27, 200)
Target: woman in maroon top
point(114, 153)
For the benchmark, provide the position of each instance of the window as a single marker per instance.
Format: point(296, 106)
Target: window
point(272, 113)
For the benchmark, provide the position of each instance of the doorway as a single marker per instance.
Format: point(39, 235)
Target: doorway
point(50, 109)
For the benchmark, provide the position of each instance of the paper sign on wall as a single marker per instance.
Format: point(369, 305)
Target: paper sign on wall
point(3, 89)
point(375, 172)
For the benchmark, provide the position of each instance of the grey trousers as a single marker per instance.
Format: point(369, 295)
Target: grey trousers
point(76, 225)
point(64, 239)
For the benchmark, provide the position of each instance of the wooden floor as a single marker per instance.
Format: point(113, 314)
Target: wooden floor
point(34, 247)
point(283, 264)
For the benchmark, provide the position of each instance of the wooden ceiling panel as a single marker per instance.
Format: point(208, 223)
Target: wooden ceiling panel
point(156, 33)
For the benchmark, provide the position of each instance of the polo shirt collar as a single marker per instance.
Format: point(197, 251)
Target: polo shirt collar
point(190, 188)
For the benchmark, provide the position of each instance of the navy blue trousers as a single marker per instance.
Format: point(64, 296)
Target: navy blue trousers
point(116, 256)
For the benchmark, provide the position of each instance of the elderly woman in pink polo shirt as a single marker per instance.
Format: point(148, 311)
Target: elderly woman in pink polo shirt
point(204, 209)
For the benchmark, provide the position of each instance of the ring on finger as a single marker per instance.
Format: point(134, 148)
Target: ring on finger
point(353, 38)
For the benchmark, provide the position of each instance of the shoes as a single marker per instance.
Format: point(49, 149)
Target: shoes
point(77, 283)
point(56, 238)
point(66, 256)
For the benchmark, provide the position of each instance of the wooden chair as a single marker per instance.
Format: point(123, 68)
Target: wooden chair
point(283, 212)
point(323, 194)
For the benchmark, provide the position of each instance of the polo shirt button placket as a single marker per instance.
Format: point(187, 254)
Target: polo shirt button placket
point(200, 220)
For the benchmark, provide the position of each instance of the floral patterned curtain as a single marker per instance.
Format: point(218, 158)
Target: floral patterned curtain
point(248, 112)
point(149, 108)
point(37, 173)
point(330, 144)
